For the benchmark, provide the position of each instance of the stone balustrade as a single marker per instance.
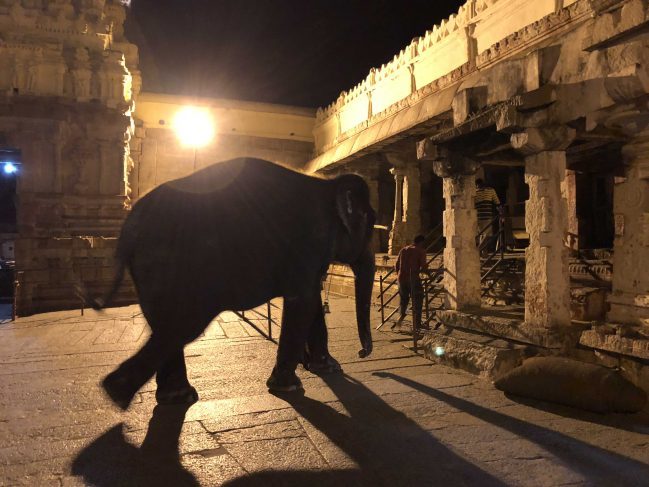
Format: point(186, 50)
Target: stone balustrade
point(469, 38)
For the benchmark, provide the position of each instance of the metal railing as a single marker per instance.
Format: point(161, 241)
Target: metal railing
point(389, 281)
point(493, 263)
point(268, 335)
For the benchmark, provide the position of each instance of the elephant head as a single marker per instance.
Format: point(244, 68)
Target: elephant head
point(353, 246)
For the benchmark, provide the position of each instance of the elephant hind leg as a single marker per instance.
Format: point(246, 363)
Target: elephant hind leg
point(122, 383)
point(173, 385)
point(317, 358)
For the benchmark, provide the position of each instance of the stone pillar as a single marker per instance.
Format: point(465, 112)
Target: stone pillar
point(370, 171)
point(461, 258)
point(570, 190)
point(407, 207)
point(547, 281)
point(629, 301)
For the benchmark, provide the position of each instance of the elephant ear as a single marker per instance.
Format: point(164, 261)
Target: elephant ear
point(345, 208)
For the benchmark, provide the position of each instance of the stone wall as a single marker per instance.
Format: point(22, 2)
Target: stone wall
point(159, 157)
point(72, 184)
point(277, 133)
point(51, 268)
point(67, 85)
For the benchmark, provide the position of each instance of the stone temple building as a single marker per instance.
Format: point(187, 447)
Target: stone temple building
point(87, 143)
point(547, 101)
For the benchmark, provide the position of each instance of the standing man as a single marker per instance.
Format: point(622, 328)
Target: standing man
point(411, 261)
point(486, 204)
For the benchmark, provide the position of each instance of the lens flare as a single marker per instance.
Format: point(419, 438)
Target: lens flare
point(10, 168)
point(194, 127)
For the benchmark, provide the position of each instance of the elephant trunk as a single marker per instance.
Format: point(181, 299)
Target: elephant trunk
point(364, 284)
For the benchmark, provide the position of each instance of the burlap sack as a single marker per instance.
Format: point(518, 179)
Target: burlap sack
point(577, 384)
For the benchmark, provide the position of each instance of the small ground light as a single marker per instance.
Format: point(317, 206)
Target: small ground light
point(9, 168)
point(439, 351)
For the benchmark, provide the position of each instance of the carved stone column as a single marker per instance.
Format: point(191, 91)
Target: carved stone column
point(370, 171)
point(629, 300)
point(570, 193)
point(407, 206)
point(461, 258)
point(547, 281)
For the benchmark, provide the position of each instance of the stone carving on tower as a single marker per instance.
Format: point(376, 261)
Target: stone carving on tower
point(68, 80)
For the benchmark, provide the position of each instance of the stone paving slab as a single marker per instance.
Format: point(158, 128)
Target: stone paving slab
point(392, 419)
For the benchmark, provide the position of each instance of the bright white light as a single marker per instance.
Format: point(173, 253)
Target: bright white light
point(9, 168)
point(194, 127)
point(439, 351)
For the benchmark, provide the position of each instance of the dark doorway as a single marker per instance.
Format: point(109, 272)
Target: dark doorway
point(595, 210)
point(9, 168)
point(9, 173)
point(513, 192)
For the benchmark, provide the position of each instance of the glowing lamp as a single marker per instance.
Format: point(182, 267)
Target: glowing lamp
point(194, 127)
point(9, 168)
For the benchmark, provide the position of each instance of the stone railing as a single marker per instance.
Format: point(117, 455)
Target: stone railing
point(36, 40)
point(468, 38)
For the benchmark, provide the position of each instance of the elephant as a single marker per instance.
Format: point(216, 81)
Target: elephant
point(232, 236)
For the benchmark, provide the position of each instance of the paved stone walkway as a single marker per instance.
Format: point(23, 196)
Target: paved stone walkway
point(393, 419)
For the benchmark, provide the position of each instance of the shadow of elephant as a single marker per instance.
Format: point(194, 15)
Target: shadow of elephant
point(111, 460)
point(388, 447)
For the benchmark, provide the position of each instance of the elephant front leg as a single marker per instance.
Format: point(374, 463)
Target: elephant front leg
point(123, 382)
point(318, 360)
point(173, 385)
point(297, 318)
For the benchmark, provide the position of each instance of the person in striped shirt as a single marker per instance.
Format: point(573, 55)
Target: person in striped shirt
point(486, 204)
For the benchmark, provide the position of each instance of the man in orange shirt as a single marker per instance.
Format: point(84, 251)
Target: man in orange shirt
point(411, 261)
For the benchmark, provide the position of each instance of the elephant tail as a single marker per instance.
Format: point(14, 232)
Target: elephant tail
point(103, 301)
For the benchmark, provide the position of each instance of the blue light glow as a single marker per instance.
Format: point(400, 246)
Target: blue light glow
point(439, 351)
point(10, 168)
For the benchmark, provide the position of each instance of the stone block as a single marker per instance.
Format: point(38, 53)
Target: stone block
point(509, 329)
point(588, 304)
point(474, 353)
point(634, 345)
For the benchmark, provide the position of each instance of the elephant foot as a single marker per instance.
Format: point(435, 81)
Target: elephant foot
point(180, 395)
point(119, 389)
point(283, 380)
point(324, 364)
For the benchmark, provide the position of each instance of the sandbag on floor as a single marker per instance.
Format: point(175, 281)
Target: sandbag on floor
point(572, 383)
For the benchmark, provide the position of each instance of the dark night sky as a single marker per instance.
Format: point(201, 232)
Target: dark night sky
point(295, 52)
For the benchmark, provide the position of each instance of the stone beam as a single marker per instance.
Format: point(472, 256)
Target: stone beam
point(612, 28)
point(468, 101)
point(535, 140)
point(444, 162)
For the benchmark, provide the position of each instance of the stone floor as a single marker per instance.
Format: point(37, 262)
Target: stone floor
point(392, 419)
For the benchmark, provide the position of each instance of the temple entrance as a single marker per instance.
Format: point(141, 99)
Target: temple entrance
point(9, 172)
